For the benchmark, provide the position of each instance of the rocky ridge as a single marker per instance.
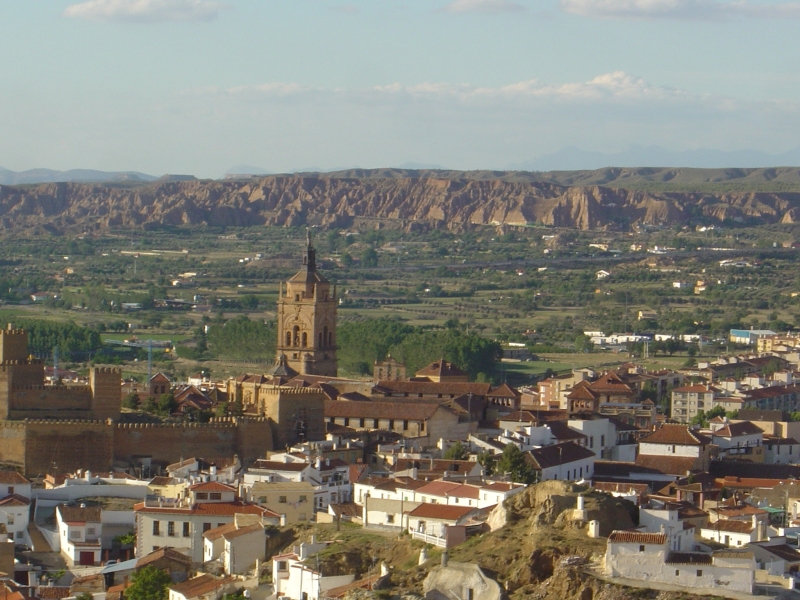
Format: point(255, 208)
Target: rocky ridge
point(410, 202)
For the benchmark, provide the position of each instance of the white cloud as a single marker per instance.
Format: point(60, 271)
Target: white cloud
point(483, 6)
point(715, 10)
point(145, 11)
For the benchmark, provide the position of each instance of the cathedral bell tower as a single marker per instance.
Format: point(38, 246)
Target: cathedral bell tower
point(307, 320)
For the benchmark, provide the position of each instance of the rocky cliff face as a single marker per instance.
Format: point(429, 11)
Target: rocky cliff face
point(455, 204)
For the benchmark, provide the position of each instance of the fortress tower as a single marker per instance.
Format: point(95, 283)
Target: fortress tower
point(307, 320)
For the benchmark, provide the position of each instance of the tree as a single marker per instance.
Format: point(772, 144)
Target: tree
point(369, 258)
point(456, 452)
point(583, 343)
point(131, 401)
point(512, 463)
point(487, 460)
point(167, 404)
point(149, 583)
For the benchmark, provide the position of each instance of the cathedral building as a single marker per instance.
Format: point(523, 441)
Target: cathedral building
point(307, 321)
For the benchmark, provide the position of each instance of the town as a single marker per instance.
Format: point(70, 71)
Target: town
point(94, 503)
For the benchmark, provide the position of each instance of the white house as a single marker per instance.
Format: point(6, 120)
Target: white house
point(79, 531)
point(181, 523)
point(567, 461)
point(734, 533)
point(647, 557)
point(739, 441)
point(202, 587)
point(292, 579)
point(666, 520)
point(674, 449)
point(237, 546)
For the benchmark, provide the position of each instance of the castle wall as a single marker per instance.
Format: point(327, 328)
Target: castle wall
point(296, 414)
point(167, 443)
point(13, 344)
point(50, 402)
point(106, 392)
point(53, 446)
point(12, 443)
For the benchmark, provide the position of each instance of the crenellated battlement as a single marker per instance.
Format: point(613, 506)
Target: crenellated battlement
point(13, 332)
point(55, 388)
point(110, 370)
point(289, 390)
point(82, 422)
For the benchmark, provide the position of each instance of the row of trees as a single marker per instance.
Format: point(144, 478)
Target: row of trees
point(361, 343)
point(73, 341)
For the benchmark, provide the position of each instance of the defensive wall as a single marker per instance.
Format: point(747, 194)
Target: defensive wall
point(40, 446)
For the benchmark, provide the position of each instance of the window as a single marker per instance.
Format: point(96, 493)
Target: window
point(206, 527)
point(699, 572)
point(10, 519)
point(303, 499)
point(389, 519)
point(19, 535)
point(602, 440)
point(75, 535)
point(156, 527)
point(282, 565)
point(281, 499)
point(91, 530)
point(171, 528)
point(262, 500)
point(202, 495)
point(677, 573)
point(641, 548)
point(186, 529)
point(10, 490)
point(215, 496)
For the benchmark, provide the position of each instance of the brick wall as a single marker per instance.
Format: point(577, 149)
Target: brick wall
point(65, 446)
point(106, 391)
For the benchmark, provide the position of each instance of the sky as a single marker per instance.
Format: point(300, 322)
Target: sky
point(198, 86)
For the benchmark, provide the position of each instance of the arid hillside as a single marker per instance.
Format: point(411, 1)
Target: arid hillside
point(427, 201)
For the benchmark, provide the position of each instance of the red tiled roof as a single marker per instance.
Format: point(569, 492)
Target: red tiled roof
point(221, 509)
point(202, 584)
point(637, 537)
point(676, 434)
point(78, 514)
point(432, 388)
point(670, 465)
point(12, 478)
point(441, 368)
point(410, 411)
point(168, 553)
point(737, 429)
point(559, 454)
point(211, 486)
point(695, 389)
point(15, 500)
point(731, 526)
point(442, 512)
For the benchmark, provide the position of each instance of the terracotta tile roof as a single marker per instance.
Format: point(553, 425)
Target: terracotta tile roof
point(168, 553)
point(6, 593)
point(441, 368)
point(78, 514)
point(410, 411)
point(670, 465)
point(442, 512)
point(217, 532)
point(220, 509)
point(431, 388)
point(161, 480)
point(211, 486)
point(782, 551)
point(582, 391)
point(558, 454)
point(637, 537)
point(15, 500)
point(273, 465)
point(352, 397)
point(347, 510)
point(203, 584)
point(737, 429)
point(610, 383)
point(676, 434)
point(504, 391)
point(501, 486)
point(693, 389)
point(52, 592)
point(562, 432)
point(450, 489)
point(12, 478)
point(731, 526)
point(743, 510)
point(241, 531)
point(747, 482)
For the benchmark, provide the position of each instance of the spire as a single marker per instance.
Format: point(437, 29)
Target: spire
point(310, 260)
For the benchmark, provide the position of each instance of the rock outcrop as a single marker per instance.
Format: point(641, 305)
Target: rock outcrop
point(411, 202)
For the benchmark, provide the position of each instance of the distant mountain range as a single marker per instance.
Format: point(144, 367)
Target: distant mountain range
point(573, 159)
point(75, 175)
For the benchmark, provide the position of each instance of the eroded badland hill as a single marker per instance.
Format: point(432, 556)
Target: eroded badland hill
point(452, 200)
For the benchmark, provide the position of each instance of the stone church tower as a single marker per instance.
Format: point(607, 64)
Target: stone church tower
point(307, 320)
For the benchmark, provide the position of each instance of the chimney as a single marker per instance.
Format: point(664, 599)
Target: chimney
point(757, 527)
point(445, 558)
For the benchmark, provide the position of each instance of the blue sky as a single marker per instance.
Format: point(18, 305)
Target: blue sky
point(197, 86)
